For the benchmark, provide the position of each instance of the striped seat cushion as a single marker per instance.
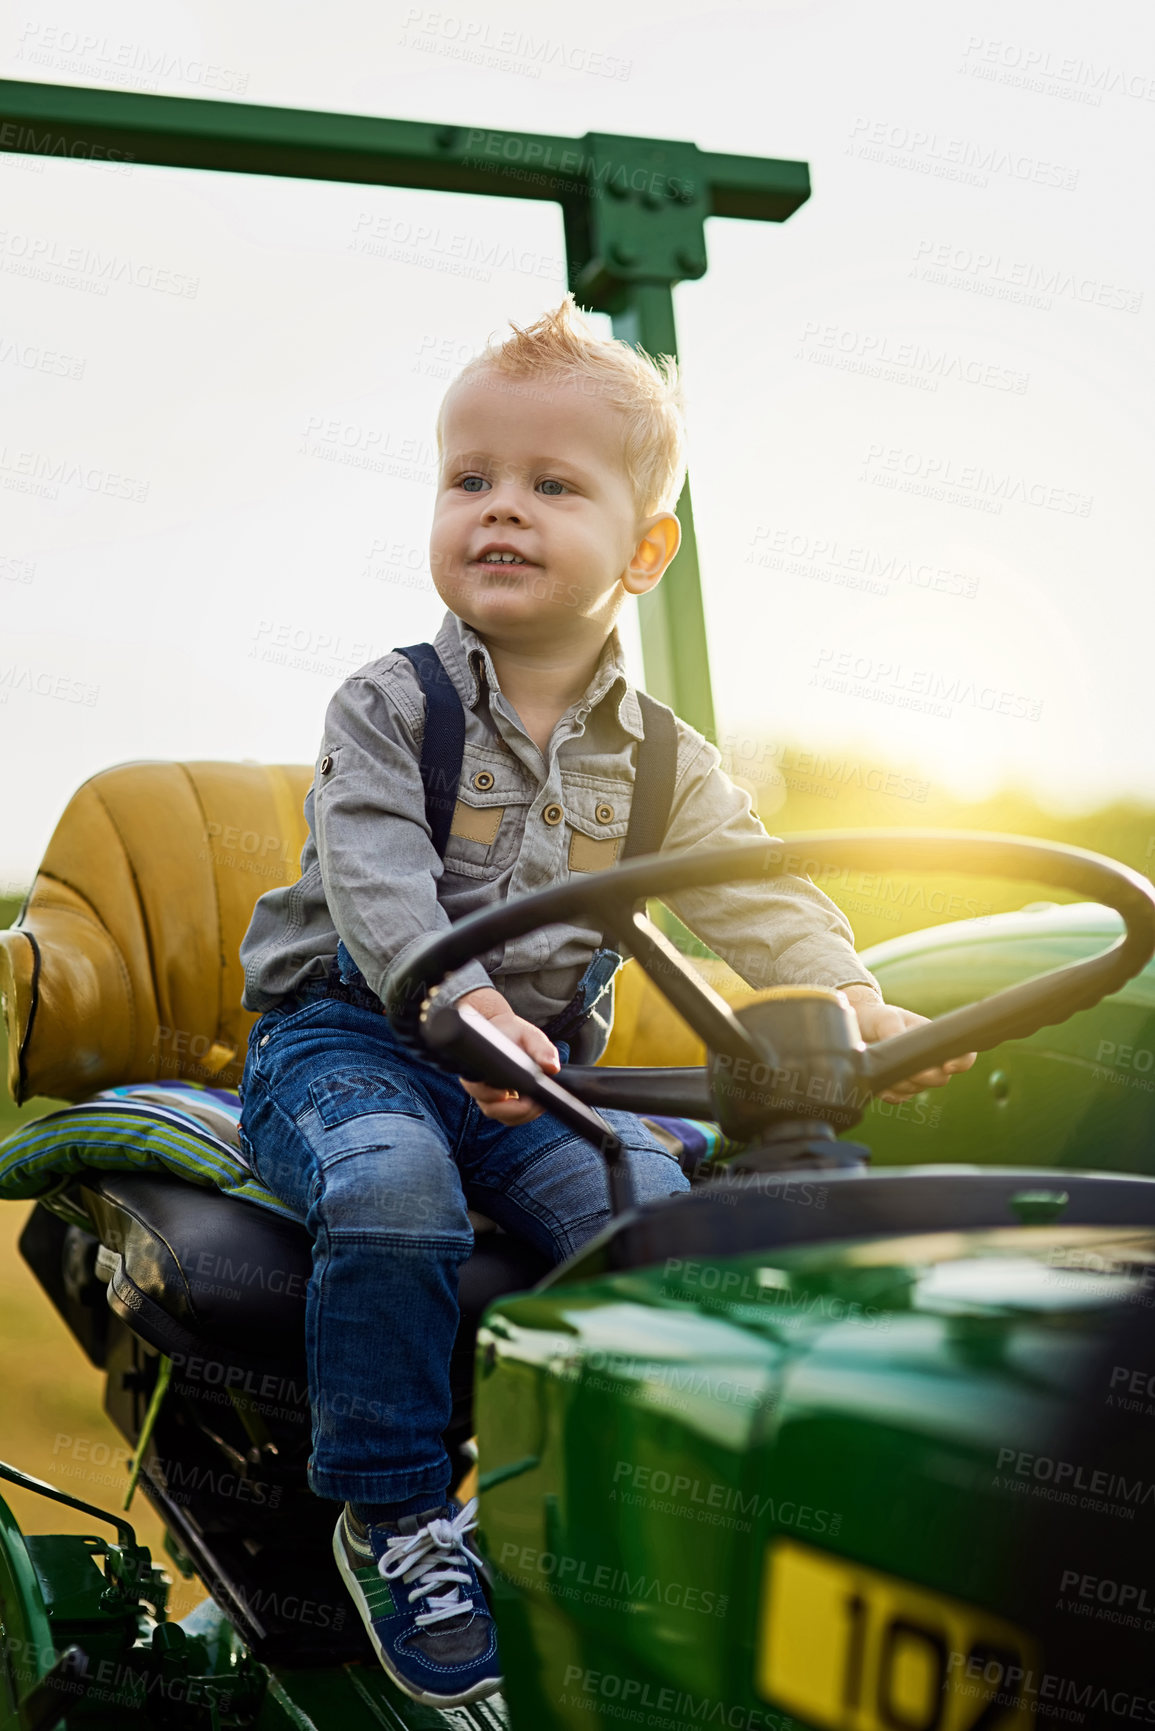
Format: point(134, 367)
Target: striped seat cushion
point(186, 1128)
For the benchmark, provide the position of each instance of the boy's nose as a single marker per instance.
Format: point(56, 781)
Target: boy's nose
point(499, 509)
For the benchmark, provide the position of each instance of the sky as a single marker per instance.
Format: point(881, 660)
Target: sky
point(919, 412)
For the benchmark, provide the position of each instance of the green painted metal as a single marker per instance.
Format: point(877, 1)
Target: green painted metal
point(854, 1399)
point(67, 1591)
point(104, 1623)
point(634, 212)
point(1080, 1095)
point(671, 617)
point(361, 1698)
point(27, 1651)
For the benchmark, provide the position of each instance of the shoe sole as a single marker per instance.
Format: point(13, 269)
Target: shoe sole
point(490, 1686)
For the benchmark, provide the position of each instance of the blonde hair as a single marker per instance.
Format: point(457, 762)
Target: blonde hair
point(562, 345)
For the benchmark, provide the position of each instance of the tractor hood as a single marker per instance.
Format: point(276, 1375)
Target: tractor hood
point(936, 1429)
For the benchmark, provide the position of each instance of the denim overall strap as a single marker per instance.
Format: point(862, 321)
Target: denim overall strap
point(442, 750)
point(443, 742)
point(592, 1006)
point(653, 780)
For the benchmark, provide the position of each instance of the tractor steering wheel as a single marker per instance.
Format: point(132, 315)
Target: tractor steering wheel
point(743, 1042)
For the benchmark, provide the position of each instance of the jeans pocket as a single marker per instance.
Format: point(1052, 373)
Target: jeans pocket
point(360, 1093)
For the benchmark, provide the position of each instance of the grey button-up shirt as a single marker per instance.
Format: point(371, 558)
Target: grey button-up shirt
point(524, 820)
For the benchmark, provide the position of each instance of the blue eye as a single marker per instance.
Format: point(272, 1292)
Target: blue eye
point(560, 484)
point(466, 480)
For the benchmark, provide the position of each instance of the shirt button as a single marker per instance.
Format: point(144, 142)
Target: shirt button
point(326, 764)
point(483, 781)
point(605, 814)
point(264, 1039)
point(553, 814)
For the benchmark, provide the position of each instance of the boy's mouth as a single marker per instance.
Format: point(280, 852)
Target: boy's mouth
point(506, 573)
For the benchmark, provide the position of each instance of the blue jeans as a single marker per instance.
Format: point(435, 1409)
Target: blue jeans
point(382, 1154)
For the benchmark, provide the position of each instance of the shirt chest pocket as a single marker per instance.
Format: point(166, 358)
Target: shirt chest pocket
point(489, 817)
point(598, 818)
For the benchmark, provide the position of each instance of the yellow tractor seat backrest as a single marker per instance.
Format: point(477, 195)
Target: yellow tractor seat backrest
point(123, 965)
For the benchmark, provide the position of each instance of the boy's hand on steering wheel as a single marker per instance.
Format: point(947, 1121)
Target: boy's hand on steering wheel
point(501, 1104)
point(878, 1021)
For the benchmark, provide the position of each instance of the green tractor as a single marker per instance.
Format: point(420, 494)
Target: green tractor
point(826, 1442)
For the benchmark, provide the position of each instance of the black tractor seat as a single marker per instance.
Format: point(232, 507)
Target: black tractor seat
point(191, 1270)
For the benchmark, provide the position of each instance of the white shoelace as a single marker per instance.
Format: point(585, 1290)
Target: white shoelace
point(425, 1560)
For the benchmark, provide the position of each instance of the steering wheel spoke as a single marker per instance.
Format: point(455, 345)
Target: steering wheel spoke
point(708, 1014)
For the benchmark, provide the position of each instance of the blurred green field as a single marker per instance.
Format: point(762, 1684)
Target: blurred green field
point(53, 1425)
point(881, 906)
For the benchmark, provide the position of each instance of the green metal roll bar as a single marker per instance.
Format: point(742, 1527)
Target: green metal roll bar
point(634, 211)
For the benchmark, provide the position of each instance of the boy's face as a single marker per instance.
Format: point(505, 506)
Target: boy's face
point(536, 466)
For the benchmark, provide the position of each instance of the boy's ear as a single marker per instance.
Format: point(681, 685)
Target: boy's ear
point(660, 539)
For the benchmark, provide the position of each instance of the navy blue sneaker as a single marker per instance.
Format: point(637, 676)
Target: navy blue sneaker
point(415, 1584)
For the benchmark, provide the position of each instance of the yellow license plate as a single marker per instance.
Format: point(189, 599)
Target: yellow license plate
point(847, 1648)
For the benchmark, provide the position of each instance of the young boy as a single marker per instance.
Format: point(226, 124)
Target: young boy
point(562, 460)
